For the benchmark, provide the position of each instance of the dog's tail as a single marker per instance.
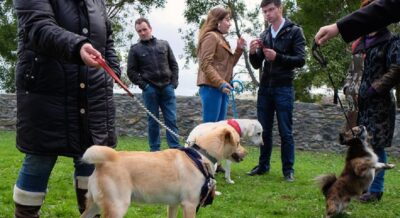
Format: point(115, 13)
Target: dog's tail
point(99, 154)
point(325, 182)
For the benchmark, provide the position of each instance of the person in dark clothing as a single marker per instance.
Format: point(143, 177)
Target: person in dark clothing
point(64, 99)
point(376, 15)
point(152, 66)
point(281, 48)
point(377, 107)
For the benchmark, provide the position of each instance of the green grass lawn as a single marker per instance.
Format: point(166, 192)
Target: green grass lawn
point(260, 196)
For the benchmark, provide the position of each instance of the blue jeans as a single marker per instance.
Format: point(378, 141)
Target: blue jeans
point(377, 184)
point(277, 100)
point(35, 172)
point(214, 104)
point(155, 98)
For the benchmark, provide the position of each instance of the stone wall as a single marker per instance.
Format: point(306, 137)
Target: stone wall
point(315, 127)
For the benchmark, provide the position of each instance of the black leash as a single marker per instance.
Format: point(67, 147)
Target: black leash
point(317, 54)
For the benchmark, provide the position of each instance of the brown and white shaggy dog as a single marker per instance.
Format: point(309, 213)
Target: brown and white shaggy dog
point(358, 173)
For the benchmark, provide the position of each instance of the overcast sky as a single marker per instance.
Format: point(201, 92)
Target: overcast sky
point(165, 23)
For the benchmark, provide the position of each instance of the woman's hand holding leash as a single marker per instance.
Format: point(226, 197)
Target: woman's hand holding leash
point(89, 55)
point(225, 88)
point(325, 33)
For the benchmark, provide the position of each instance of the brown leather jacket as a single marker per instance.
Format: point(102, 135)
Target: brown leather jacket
point(216, 60)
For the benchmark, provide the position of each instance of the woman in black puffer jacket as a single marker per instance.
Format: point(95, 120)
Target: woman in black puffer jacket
point(64, 99)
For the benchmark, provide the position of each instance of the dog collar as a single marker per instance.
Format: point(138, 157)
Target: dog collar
point(235, 125)
point(205, 153)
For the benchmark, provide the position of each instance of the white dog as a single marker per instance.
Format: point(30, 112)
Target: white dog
point(249, 129)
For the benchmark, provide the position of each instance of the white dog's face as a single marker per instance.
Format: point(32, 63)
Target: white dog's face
point(255, 133)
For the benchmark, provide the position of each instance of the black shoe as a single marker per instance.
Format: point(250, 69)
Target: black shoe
point(257, 171)
point(289, 177)
point(220, 169)
point(370, 197)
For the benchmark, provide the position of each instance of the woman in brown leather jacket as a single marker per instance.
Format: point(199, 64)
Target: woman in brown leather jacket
point(216, 62)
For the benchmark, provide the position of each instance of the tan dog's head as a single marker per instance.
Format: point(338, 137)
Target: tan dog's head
point(223, 142)
point(360, 135)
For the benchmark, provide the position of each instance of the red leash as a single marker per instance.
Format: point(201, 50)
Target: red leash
point(113, 75)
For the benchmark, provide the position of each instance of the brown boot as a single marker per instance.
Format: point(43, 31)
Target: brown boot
point(23, 211)
point(27, 204)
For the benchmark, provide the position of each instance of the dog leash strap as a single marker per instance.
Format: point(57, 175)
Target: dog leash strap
point(238, 89)
point(108, 69)
point(113, 75)
point(317, 54)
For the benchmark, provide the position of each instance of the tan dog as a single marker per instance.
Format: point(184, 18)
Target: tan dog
point(358, 173)
point(165, 177)
point(249, 129)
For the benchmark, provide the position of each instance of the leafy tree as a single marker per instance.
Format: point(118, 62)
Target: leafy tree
point(311, 15)
point(8, 46)
point(306, 13)
point(121, 13)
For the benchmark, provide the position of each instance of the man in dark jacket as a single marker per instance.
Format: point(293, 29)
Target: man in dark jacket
point(376, 15)
point(282, 49)
point(152, 66)
point(64, 100)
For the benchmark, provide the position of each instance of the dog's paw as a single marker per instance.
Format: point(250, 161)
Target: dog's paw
point(217, 193)
point(230, 181)
point(390, 166)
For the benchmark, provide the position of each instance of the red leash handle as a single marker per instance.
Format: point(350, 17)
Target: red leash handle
point(113, 75)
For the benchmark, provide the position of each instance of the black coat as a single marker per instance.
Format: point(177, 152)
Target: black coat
point(376, 15)
point(152, 62)
point(289, 46)
point(381, 71)
point(63, 106)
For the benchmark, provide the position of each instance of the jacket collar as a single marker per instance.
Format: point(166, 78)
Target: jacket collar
point(223, 42)
point(381, 36)
point(285, 28)
point(152, 39)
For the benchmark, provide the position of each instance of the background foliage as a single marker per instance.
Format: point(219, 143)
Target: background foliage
point(309, 14)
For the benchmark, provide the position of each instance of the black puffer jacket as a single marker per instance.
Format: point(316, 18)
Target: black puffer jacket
point(63, 106)
point(289, 46)
point(152, 62)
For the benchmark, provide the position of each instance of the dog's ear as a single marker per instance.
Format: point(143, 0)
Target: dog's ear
point(231, 136)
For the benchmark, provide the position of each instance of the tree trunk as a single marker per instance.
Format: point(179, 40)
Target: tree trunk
point(245, 52)
point(335, 96)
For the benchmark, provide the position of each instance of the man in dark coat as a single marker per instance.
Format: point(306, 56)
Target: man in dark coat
point(64, 99)
point(376, 15)
point(152, 66)
point(281, 48)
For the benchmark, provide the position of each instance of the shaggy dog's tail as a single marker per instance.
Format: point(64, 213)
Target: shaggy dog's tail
point(99, 154)
point(325, 182)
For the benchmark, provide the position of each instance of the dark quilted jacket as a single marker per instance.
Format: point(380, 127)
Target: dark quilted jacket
point(289, 46)
point(63, 106)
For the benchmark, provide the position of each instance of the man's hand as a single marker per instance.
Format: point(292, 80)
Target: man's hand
point(269, 54)
point(325, 33)
point(254, 44)
point(89, 55)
